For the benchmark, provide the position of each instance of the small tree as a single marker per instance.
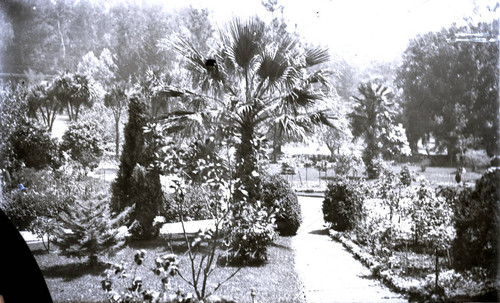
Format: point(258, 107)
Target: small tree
point(88, 230)
point(373, 118)
point(83, 141)
point(117, 101)
point(33, 147)
point(136, 184)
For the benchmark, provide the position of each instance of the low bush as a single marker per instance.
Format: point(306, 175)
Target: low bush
point(405, 176)
point(278, 195)
point(250, 230)
point(342, 206)
point(477, 217)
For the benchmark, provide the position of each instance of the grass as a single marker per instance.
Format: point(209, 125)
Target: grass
point(71, 280)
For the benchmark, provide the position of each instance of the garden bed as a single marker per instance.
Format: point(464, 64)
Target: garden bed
point(417, 280)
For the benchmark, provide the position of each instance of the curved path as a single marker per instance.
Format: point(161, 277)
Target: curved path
point(328, 271)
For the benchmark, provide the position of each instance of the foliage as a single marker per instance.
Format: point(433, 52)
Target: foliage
point(13, 111)
point(196, 205)
point(136, 184)
point(146, 192)
point(87, 229)
point(405, 176)
point(343, 164)
point(278, 195)
point(450, 88)
point(477, 218)
point(373, 118)
point(84, 143)
point(342, 206)
point(33, 147)
point(251, 229)
point(431, 218)
point(476, 159)
point(216, 193)
point(117, 101)
point(166, 267)
point(277, 90)
point(37, 205)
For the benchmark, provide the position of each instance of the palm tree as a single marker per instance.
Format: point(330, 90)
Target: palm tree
point(252, 83)
point(373, 113)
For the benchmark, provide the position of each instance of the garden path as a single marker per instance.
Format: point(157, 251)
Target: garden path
point(329, 272)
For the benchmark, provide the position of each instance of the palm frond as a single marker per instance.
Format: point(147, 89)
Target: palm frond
point(316, 56)
point(244, 41)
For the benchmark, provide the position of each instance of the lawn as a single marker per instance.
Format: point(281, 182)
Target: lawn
point(71, 280)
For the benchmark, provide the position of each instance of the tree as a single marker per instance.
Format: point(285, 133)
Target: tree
point(134, 185)
point(83, 141)
point(72, 91)
point(258, 83)
point(372, 118)
point(88, 230)
point(117, 101)
point(33, 147)
point(451, 89)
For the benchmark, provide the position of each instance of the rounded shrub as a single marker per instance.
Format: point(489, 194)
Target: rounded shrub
point(342, 206)
point(277, 194)
point(477, 217)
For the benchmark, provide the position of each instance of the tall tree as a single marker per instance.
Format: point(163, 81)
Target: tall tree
point(259, 83)
point(373, 119)
point(450, 88)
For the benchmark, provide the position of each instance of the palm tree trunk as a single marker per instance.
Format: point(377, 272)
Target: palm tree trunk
point(247, 186)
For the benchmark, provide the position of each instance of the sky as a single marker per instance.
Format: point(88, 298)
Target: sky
point(359, 30)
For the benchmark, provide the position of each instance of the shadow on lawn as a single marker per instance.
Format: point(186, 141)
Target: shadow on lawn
point(73, 271)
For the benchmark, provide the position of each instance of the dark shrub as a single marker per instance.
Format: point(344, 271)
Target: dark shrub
point(477, 218)
point(195, 206)
point(33, 146)
point(405, 176)
point(342, 205)
point(278, 195)
point(83, 140)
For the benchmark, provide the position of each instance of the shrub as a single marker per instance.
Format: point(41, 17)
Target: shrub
point(87, 230)
point(477, 218)
point(374, 167)
point(84, 143)
point(405, 176)
point(476, 159)
point(250, 229)
point(33, 147)
point(343, 163)
point(43, 194)
point(342, 205)
point(278, 195)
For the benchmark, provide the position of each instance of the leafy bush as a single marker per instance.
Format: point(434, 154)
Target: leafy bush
point(84, 143)
point(342, 205)
point(33, 147)
point(477, 217)
point(476, 159)
point(405, 176)
point(374, 167)
point(37, 194)
point(250, 230)
point(278, 195)
point(343, 163)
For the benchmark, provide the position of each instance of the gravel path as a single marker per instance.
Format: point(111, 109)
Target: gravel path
point(328, 271)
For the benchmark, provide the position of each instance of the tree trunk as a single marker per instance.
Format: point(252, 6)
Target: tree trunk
point(246, 165)
point(117, 137)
